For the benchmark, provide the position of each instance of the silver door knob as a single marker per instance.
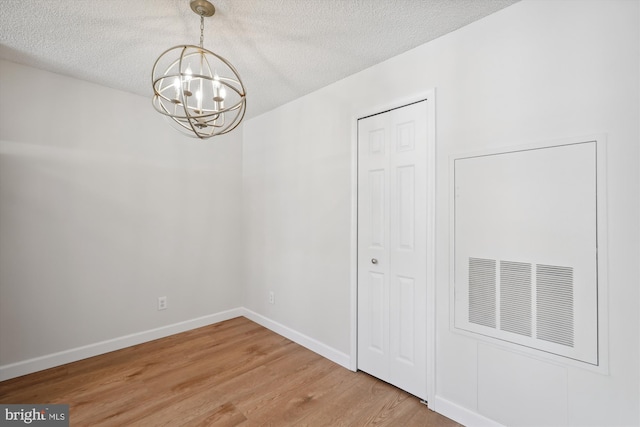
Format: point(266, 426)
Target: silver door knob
point(374, 261)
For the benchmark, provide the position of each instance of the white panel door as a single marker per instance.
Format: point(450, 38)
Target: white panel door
point(392, 247)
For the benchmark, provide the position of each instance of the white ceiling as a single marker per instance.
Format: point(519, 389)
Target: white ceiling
point(282, 49)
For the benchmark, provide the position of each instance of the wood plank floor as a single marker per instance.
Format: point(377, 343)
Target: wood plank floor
point(233, 373)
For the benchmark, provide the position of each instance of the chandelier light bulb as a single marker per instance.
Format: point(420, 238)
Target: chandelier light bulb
point(199, 101)
point(177, 85)
point(218, 90)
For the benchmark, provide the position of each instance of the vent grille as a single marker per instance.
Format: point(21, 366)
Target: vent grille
point(482, 292)
point(554, 307)
point(515, 297)
point(518, 300)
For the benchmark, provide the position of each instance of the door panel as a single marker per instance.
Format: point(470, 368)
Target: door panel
point(377, 208)
point(406, 324)
point(406, 207)
point(377, 318)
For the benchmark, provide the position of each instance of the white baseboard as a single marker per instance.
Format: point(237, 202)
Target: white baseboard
point(72, 355)
point(322, 349)
point(462, 415)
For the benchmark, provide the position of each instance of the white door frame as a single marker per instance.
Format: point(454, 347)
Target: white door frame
point(429, 96)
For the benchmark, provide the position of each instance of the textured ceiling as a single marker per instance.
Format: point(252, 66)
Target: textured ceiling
point(282, 49)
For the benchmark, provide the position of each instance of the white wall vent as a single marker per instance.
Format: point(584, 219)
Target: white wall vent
point(553, 293)
point(525, 248)
point(515, 297)
point(554, 306)
point(482, 292)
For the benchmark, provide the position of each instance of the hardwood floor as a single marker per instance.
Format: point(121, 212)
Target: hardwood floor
point(234, 373)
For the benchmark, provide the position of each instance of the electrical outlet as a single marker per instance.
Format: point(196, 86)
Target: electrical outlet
point(162, 303)
point(272, 298)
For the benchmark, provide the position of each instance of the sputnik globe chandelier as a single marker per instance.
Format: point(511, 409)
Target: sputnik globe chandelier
point(200, 91)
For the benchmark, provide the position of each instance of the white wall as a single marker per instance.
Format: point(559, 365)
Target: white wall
point(103, 208)
point(296, 220)
point(535, 71)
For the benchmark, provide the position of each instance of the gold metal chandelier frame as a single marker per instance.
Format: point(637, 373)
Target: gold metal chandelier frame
point(200, 103)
